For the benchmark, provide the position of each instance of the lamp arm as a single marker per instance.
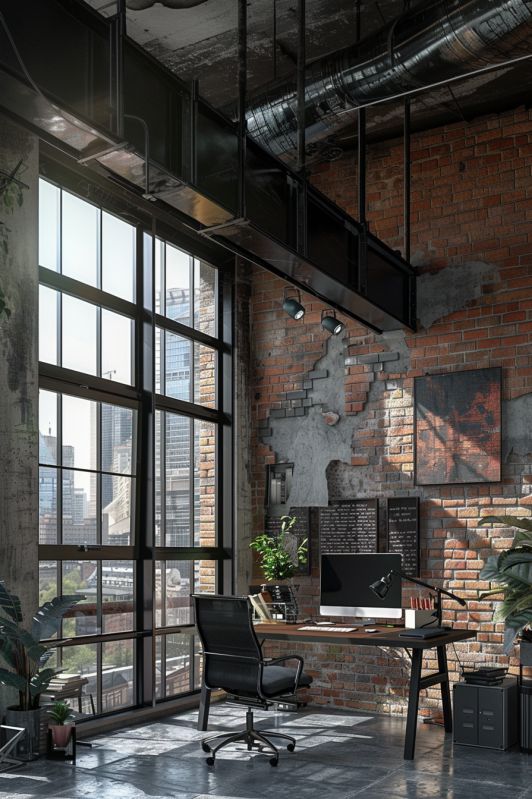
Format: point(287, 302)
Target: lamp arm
point(426, 585)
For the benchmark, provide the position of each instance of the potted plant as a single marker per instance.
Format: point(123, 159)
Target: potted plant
point(512, 569)
point(279, 558)
point(60, 713)
point(26, 656)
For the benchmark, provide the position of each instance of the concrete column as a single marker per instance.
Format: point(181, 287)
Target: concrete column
point(19, 426)
point(242, 428)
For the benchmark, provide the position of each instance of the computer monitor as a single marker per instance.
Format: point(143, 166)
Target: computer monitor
point(345, 585)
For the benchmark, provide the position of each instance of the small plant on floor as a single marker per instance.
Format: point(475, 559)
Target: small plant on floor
point(60, 713)
point(277, 559)
point(512, 569)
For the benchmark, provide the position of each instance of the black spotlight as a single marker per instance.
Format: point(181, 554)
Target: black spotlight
point(330, 323)
point(382, 586)
point(293, 306)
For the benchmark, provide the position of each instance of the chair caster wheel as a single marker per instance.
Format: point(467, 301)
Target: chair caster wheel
point(205, 747)
point(274, 761)
point(209, 761)
point(291, 747)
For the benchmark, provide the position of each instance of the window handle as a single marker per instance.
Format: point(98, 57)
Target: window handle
point(89, 547)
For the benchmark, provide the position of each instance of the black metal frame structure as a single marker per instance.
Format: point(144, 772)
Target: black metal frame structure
point(141, 396)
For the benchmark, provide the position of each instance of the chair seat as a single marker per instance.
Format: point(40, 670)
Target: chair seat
point(278, 679)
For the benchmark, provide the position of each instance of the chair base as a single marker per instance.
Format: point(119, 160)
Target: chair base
point(251, 737)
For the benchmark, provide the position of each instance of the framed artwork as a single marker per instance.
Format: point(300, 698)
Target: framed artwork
point(457, 421)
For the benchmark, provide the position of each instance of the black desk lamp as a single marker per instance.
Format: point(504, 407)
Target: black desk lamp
point(382, 586)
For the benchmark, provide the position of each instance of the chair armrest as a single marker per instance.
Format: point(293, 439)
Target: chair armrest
point(273, 661)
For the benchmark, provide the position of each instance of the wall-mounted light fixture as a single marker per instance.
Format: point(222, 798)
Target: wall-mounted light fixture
point(292, 304)
point(330, 323)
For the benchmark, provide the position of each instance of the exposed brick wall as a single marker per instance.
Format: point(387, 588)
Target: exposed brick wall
point(471, 213)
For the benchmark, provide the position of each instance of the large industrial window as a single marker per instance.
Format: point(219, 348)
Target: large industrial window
point(132, 424)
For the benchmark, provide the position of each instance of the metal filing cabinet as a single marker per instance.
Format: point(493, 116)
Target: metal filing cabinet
point(486, 715)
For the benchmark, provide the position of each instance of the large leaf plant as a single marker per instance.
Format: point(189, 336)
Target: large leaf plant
point(276, 559)
point(512, 569)
point(23, 650)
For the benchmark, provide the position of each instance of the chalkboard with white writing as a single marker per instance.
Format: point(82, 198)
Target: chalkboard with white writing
point(349, 526)
point(403, 531)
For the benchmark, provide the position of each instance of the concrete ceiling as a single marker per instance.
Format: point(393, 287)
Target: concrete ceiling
point(201, 43)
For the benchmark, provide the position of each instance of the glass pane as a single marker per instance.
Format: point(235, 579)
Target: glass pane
point(204, 484)
point(81, 577)
point(79, 507)
point(118, 502)
point(118, 257)
point(178, 355)
point(79, 433)
point(118, 683)
point(158, 667)
point(118, 586)
point(47, 427)
point(178, 285)
point(82, 660)
point(49, 225)
point(204, 375)
point(48, 325)
point(178, 675)
point(80, 238)
point(205, 297)
point(177, 481)
point(177, 587)
point(48, 505)
point(204, 577)
point(159, 272)
point(47, 580)
point(79, 335)
point(159, 366)
point(198, 662)
point(159, 422)
point(116, 346)
point(117, 425)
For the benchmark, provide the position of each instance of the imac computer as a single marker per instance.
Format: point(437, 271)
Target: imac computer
point(345, 585)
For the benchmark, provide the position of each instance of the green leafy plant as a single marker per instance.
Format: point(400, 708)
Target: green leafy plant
point(23, 651)
point(60, 712)
point(512, 569)
point(277, 560)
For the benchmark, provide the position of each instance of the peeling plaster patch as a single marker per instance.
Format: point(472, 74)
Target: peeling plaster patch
point(395, 340)
point(451, 289)
point(517, 426)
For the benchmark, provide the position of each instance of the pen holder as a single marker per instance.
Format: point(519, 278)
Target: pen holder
point(420, 618)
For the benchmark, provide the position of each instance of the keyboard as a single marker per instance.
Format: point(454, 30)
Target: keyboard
point(315, 627)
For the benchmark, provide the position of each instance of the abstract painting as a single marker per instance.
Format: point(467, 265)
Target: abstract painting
point(458, 427)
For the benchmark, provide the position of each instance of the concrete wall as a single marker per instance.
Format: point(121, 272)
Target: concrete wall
point(19, 445)
point(471, 213)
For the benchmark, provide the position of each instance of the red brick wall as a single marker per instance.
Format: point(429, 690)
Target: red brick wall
point(471, 202)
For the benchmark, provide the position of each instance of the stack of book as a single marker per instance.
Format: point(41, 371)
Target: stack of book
point(485, 675)
point(66, 685)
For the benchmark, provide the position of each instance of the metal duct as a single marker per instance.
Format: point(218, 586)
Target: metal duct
point(433, 42)
point(139, 5)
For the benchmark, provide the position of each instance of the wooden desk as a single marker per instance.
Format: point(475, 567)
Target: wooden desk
point(385, 637)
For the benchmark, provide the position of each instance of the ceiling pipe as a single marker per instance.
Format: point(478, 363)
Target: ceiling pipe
point(140, 5)
point(435, 42)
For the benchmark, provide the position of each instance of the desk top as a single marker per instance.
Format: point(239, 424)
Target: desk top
point(386, 636)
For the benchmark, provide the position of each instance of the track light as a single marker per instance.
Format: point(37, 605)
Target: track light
point(330, 323)
point(293, 306)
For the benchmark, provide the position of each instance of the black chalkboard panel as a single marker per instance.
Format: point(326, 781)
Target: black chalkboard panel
point(349, 526)
point(403, 531)
point(298, 533)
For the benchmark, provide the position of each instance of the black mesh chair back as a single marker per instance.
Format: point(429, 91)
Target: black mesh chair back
point(231, 649)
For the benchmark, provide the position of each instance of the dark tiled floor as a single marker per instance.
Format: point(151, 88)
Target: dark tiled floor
point(338, 756)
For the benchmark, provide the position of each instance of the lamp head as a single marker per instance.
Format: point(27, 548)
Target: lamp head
point(292, 305)
point(330, 323)
point(381, 587)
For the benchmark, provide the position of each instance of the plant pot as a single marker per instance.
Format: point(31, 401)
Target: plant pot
point(61, 734)
point(28, 747)
point(525, 653)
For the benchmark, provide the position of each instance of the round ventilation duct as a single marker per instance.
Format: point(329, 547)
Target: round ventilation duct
point(140, 5)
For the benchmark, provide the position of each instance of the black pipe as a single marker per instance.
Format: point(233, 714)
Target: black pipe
point(361, 151)
point(242, 94)
point(407, 178)
point(301, 79)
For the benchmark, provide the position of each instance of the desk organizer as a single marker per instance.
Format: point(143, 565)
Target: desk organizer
point(419, 618)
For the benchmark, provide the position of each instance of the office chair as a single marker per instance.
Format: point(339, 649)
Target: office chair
point(233, 661)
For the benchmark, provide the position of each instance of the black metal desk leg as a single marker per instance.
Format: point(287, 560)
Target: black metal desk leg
point(413, 704)
point(445, 691)
point(205, 701)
